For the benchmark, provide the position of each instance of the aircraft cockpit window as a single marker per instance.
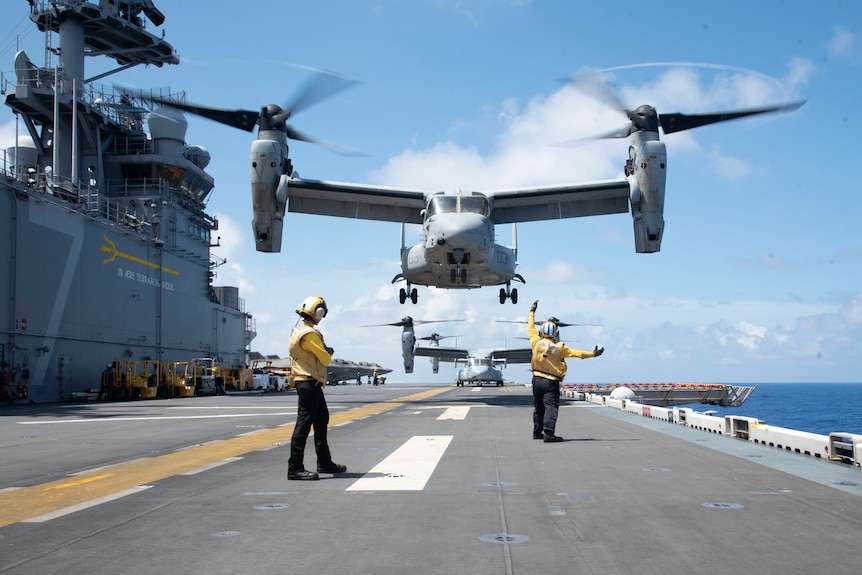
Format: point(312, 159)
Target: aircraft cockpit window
point(475, 205)
point(442, 205)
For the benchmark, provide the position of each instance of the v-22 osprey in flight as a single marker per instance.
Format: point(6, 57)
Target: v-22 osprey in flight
point(458, 248)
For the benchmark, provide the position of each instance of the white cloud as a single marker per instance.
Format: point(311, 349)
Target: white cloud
point(800, 71)
point(842, 43)
point(7, 133)
point(728, 167)
point(749, 334)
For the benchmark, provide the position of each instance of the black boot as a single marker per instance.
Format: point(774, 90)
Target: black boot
point(302, 475)
point(332, 468)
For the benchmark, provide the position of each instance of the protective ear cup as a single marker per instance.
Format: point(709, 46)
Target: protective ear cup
point(314, 307)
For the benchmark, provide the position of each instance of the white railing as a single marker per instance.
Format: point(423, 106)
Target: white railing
point(837, 446)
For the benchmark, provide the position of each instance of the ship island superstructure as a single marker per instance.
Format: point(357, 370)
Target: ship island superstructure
point(104, 235)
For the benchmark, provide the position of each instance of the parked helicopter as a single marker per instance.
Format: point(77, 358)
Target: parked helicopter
point(458, 248)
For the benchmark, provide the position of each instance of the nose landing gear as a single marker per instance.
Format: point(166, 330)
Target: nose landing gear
point(458, 257)
point(459, 273)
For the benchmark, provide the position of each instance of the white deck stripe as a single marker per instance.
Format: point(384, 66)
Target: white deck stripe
point(408, 468)
point(150, 418)
point(455, 412)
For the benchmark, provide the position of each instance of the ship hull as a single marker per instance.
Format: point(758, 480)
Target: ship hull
point(80, 292)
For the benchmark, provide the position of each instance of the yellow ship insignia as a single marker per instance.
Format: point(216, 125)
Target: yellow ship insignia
point(111, 248)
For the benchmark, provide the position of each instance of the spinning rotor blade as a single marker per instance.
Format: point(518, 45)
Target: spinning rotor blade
point(555, 320)
point(294, 134)
point(320, 87)
point(437, 337)
point(647, 118)
point(396, 324)
point(271, 116)
point(594, 85)
point(408, 321)
point(242, 119)
point(564, 324)
point(671, 123)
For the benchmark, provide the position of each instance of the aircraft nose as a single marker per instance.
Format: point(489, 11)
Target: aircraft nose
point(467, 231)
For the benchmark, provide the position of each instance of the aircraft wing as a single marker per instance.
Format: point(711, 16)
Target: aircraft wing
point(558, 202)
point(513, 355)
point(444, 353)
point(346, 200)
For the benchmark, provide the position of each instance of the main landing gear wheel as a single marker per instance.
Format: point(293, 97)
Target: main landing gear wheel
point(513, 295)
point(402, 295)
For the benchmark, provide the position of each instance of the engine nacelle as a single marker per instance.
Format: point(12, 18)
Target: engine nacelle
point(647, 175)
point(407, 356)
point(408, 340)
point(268, 194)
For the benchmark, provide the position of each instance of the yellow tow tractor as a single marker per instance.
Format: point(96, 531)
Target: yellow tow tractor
point(179, 380)
point(131, 379)
point(238, 379)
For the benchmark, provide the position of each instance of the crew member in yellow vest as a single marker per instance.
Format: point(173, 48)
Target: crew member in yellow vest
point(309, 356)
point(549, 369)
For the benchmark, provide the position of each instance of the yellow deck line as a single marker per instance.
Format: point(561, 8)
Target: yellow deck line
point(37, 500)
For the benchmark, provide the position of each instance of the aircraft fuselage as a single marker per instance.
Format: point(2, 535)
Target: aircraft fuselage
point(479, 371)
point(458, 249)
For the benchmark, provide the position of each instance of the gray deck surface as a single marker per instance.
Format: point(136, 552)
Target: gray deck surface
point(205, 491)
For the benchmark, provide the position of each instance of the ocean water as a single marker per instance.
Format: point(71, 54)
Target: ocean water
point(821, 408)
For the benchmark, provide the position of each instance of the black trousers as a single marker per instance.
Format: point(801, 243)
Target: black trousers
point(546, 405)
point(312, 413)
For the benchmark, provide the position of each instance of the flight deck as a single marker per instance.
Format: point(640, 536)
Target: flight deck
point(440, 479)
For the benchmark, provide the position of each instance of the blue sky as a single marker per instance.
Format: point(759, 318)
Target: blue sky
point(759, 274)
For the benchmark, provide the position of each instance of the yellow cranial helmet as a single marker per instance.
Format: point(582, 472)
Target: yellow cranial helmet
point(549, 329)
point(314, 307)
